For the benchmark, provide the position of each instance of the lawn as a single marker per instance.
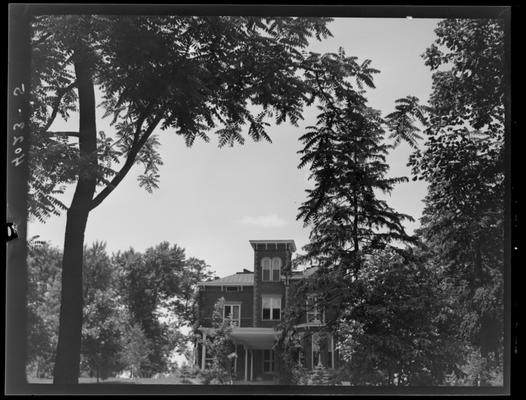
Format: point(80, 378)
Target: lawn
point(169, 380)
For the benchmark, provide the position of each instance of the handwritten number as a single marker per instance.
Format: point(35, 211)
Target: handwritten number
point(19, 90)
point(19, 125)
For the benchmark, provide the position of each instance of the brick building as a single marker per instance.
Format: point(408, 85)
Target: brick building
point(254, 302)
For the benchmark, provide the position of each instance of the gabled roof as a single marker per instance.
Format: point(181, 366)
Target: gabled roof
point(239, 279)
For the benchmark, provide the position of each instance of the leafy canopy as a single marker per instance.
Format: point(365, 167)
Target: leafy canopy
point(192, 75)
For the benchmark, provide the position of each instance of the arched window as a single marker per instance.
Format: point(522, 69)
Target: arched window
point(266, 266)
point(271, 268)
point(276, 268)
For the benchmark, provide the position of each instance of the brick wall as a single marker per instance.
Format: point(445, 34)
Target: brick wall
point(210, 295)
point(268, 287)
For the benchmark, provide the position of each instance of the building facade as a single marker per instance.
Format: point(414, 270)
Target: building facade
point(254, 302)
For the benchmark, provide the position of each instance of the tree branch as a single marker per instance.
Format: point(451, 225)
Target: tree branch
point(60, 94)
point(65, 133)
point(132, 155)
point(42, 39)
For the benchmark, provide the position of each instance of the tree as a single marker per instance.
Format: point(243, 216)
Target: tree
point(136, 349)
point(463, 162)
point(220, 348)
point(185, 73)
point(160, 281)
point(43, 302)
point(400, 327)
point(185, 304)
point(346, 153)
point(105, 318)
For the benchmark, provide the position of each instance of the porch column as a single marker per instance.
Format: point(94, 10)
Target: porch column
point(203, 352)
point(246, 363)
point(235, 361)
point(251, 365)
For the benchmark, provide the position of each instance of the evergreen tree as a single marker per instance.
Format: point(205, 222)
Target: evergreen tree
point(136, 350)
point(346, 153)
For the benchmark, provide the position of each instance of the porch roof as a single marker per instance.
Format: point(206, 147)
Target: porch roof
point(252, 338)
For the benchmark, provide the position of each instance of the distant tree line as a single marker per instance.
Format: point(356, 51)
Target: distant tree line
point(125, 296)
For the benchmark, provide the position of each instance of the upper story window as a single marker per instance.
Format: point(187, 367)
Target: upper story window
point(271, 308)
point(232, 312)
point(271, 268)
point(315, 313)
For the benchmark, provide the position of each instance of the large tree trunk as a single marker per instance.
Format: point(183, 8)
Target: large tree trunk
point(67, 364)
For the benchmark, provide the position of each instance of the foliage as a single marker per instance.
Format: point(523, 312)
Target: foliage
point(136, 350)
point(399, 329)
point(161, 278)
point(186, 372)
point(346, 153)
point(113, 338)
point(191, 74)
point(320, 376)
point(463, 162)
point(476, 372)
point(105, 318)
point(43, 307)
point(220, 348)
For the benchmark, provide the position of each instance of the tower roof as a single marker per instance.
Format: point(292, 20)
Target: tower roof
point(253, 243)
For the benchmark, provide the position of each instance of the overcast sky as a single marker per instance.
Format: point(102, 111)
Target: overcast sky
point(212, 201)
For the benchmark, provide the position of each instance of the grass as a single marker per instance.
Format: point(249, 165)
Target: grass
point(169, 380)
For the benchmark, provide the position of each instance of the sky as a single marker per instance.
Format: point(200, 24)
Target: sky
point(212, 201)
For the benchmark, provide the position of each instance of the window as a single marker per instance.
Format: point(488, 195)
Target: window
point(268, 361)
point(232, 288)
point(233, 312)
point(276, 268)
point(315, 313)
point(271, 307)
point(267, 267)
point(315, 350)
point(271, 268)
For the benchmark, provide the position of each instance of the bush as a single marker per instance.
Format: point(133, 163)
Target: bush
point(320, 375)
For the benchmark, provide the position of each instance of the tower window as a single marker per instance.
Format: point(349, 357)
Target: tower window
point(271, 268)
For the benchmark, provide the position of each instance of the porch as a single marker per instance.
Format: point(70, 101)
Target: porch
point(254, 358)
